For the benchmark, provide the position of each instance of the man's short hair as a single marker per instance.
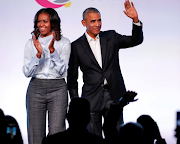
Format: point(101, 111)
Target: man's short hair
point(90, 10)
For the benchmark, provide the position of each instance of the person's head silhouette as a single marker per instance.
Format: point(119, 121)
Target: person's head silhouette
point(151, 130)
point(79, 113)
point(131, 133)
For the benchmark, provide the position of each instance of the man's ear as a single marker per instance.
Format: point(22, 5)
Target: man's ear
point(83, 23)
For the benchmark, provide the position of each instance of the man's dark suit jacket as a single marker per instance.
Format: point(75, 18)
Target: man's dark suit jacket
point(93, 74)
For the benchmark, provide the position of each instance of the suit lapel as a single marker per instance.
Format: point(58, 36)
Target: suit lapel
point(103, 48)
point(88, 50)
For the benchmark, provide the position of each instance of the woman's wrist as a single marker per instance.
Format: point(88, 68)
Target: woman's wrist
point(38, 55)
point(51, 50)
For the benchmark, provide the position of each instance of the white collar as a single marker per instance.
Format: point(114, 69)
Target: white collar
point(45, 40)
point(89, 38)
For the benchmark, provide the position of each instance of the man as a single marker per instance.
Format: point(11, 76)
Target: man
point(96, 53)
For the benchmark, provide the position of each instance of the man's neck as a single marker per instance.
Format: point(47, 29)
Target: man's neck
point(92, 36)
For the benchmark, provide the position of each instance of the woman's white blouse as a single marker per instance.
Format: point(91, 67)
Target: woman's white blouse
point(49, 66)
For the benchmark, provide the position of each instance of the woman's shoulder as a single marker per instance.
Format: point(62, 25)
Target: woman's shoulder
point(64, 40)
point(29, 41)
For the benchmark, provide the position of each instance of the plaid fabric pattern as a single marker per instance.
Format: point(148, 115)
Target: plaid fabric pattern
point(45, 96)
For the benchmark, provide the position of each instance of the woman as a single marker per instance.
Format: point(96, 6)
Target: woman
point(46, 58)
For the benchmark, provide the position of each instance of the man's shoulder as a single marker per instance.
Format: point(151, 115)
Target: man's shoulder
point(79, 39)
point(107, 32)
point(108, 35)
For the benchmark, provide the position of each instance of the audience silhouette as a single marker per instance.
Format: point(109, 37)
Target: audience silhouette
point(131, 133)
point(110, 122)
point(14, 130)
point(151, 130)
point(177, 134)
point(9, 130)
point(3, 136)
point(78, 118)
point(144, 131)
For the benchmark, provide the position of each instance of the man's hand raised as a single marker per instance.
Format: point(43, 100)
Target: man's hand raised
point(131, 11)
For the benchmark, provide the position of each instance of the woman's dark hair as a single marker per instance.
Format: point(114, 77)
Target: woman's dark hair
point(54, 20)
